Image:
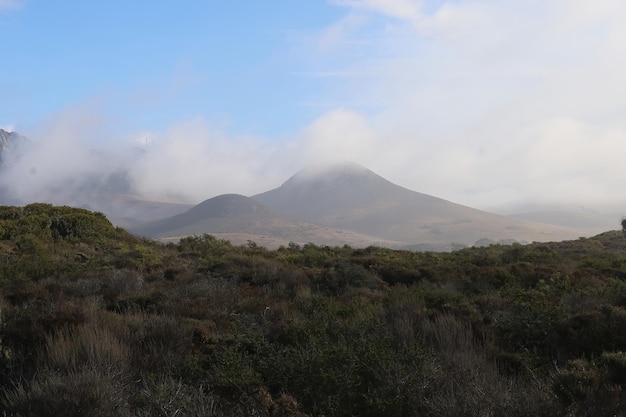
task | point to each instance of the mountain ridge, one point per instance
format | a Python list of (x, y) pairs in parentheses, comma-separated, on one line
[(9, 142), (321, 203), (242, 218), (349, 199), (352, 197)]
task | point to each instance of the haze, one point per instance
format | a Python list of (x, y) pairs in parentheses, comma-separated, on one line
[(494, 105)]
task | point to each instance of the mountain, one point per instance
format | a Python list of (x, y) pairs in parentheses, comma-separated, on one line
[(338, 204), (351, 197), (238, 218), (110, 192), (7, 139), (125, 210), (9, 142)]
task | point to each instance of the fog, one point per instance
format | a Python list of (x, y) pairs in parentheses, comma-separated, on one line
[(494, 105)]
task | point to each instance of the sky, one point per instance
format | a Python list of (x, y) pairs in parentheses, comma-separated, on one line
[(494, 105)]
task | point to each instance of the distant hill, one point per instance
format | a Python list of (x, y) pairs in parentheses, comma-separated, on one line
[(351, 197), (581, 218), (238, 218), (334, 205), (125, 210), (230, 209), (110, 192)]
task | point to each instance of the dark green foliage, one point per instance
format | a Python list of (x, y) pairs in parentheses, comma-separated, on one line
[(94, 321), (47, 221)]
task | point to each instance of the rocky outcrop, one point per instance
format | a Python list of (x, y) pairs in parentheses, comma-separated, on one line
[(9, 141)]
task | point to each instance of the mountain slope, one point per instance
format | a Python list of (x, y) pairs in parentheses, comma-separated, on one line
[(239, 219), (9, 142), (351, 197), (107, 187)]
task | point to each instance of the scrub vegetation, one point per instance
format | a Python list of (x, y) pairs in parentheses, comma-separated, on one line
[(97, 322)]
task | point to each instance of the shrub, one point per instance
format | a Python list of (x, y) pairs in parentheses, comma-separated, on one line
[(78, 393), (87, 346)]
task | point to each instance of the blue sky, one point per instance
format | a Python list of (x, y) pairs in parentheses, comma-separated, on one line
[(490, 104), (152, 64)]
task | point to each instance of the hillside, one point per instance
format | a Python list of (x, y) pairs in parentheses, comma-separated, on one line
[(98, 322), (337, 204), (239, 219), (348, 196)]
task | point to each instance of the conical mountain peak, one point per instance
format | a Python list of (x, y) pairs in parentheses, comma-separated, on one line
[(344, 180), (336, 173), (351, 197), (339, 191)]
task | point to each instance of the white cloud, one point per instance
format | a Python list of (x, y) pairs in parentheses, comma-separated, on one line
[(476, 101), (194, 161), (79, 148), (577, 160), (338, 135), (66, 150), (486, 101)]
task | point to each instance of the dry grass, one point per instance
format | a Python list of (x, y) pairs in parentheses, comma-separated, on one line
[(86, 346), (465, 380)]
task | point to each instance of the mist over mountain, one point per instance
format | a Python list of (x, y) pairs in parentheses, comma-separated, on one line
[(351, 197), (64, 171), (326, 204), (10, 142), (570, 216), (348, 203)]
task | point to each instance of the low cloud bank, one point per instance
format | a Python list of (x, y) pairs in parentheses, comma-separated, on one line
[(488, 104), (558, 160)]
